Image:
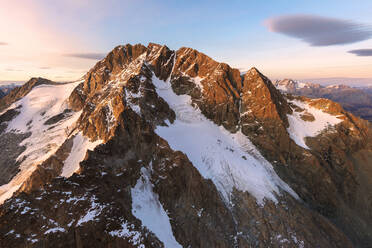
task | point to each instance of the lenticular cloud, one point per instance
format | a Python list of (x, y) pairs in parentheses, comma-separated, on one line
[(362, 52), (319, 31), (94, 56)]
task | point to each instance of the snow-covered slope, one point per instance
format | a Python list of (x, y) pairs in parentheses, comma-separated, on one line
[(229, 160), (147, 208), (38, 106), (79, 148)]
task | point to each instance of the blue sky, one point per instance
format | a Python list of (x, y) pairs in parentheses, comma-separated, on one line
[(38, 35)]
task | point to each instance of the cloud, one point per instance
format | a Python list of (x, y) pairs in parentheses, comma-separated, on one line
[(319, 31), (12, 69), (3, 43), (45, 68), (361, 52), (95, 56)]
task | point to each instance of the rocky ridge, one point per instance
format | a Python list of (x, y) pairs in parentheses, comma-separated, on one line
[(123, 110)]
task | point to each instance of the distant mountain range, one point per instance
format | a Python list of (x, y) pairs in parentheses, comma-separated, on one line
[(353, 99), (5, 88), (5, 83), (352, 82)]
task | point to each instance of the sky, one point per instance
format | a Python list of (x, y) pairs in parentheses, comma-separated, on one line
[(61, 40)]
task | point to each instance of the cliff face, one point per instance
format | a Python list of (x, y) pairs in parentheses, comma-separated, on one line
[(162, 148)]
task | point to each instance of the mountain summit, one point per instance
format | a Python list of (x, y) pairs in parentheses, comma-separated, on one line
[(162, 148)]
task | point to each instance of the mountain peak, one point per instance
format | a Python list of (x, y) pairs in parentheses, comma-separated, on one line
[(253, 71), (155, 147)]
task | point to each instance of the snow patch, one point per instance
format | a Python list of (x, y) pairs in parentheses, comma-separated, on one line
[(110, 117), (301, 85), (54, 230), (78, 151), (197, 81), (94, 211), (131, 98), (282, 87), (124, 232), (299, 129), (229, 160), (147, 208)]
